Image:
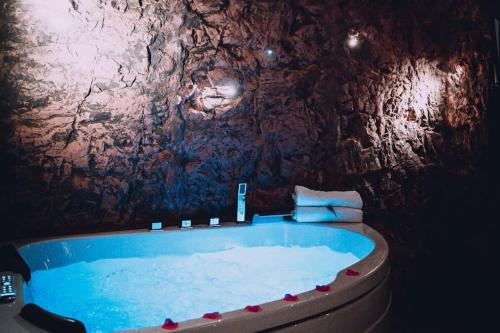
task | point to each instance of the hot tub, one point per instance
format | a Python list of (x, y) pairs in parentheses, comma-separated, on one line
[(335, 275)]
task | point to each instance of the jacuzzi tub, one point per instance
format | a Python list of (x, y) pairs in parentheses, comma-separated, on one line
[(353, 295)]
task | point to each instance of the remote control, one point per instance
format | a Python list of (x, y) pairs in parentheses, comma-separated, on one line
[(7, 288)]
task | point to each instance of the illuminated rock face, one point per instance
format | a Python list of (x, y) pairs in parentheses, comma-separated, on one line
[(118, 111)]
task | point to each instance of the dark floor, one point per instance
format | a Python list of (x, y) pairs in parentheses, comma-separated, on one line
[(443, 270)]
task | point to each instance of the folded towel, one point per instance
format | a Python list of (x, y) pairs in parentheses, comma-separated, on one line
[(306, 197), (327, 214)]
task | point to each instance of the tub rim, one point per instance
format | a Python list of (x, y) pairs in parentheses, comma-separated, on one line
[(343, 289)]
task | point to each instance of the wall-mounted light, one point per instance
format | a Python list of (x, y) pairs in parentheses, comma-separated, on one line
[(353, 40), (269, 54), (229, 90), (222, 95)]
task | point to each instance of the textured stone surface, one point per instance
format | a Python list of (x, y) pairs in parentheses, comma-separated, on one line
[(115, 111)]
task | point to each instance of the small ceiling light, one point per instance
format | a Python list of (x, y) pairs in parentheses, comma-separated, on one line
[(269, 55), (353, 40)]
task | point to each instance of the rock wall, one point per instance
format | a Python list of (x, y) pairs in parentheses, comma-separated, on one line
[(119, 111)]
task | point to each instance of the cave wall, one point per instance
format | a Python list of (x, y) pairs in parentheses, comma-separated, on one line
[(119, 111)]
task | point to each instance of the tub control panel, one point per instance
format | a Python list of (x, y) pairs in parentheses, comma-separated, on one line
[(7, 288)]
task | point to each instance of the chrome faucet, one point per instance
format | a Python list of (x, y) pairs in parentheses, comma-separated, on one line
[(240, 210)]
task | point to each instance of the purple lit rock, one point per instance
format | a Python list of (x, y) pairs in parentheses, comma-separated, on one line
[(114, 112)]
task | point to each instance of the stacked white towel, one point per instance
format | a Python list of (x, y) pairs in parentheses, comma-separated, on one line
[(327, 206), (312, 198)]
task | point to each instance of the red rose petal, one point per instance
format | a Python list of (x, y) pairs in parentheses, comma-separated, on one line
[(253, 308), (290, 298), (323, 288), (212, 315), (350, 272), (170, 325)]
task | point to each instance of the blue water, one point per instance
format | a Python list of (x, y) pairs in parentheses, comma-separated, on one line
[(135, 281)]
